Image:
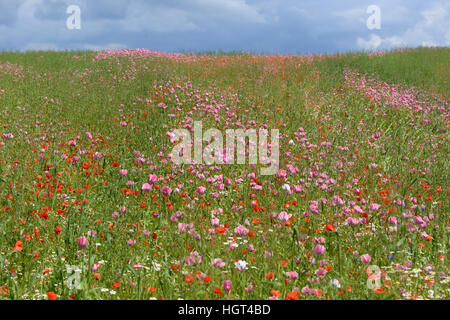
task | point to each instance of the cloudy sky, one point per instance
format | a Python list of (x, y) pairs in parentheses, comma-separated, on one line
[(272, 26)]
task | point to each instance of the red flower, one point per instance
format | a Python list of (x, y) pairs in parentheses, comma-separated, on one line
[(269, 275), (220, 230), (294, 295), (275, 293), (218, 292), (18, 246), (189, 278), (51, 295), (116, 285)]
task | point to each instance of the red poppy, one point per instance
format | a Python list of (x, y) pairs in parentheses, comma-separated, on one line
[(220, 230), (51, 295), (18, 246), (116, 285), (275, 293), (294, 295)]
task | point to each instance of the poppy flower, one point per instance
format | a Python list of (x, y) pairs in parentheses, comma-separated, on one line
[(51, 295), (294, 295), (269, 275), (18, 246), (275, 293)]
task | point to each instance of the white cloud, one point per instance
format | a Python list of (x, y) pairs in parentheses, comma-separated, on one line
[(433, 29), (376, 41)]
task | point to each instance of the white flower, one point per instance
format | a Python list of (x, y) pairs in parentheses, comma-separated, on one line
[(241, 265), (336, 283), (286, 187), (156, 266)]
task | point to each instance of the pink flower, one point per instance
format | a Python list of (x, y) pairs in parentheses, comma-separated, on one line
[(281, 174), (82, 242), (305, 290), (166, 190), (226, 285), (215, 222), (292, 275), (98, 155), (249, 288), (146, 187), (123, 172), (241, 230), (218, 263), (358, 209), (314, 207), (319, 250), (374, 207), (284, 216), (365, 258), (320, 272), (200, 190), (193, 259), (152, 178)]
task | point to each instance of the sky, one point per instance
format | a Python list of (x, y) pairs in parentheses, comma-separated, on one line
[(258, 26)]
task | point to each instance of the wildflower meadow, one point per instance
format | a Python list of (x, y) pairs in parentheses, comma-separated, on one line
[(321, 177)]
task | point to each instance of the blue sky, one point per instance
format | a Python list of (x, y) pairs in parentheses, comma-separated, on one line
[(271, 26)]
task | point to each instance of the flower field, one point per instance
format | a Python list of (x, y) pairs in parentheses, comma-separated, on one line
[(93, 207)]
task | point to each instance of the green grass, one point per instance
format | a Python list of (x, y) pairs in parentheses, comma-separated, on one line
[(424, 68)]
